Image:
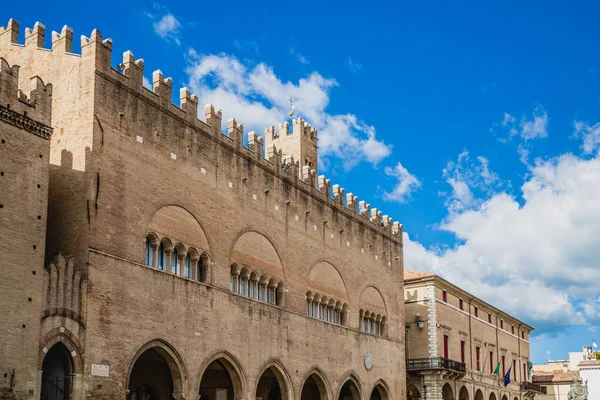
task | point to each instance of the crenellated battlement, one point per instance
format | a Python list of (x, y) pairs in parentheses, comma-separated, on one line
[(33, 101), (291, 149)]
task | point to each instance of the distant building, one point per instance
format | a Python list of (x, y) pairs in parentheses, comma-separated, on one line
[(556, 377), (455, 341), (554, 385)]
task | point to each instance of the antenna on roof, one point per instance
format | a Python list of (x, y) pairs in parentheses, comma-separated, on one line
[(292, 107)]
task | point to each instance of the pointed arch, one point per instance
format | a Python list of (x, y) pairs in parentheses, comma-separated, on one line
[(233, 368), (315, 377), (350, 384), (171, 357), (281, 376), (380, 391)]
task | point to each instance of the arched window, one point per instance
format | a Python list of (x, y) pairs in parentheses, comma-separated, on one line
[(175, 261), (203, 263), (279, 294), (150, 249), (187, 270), (163, 249), (262, 288), (233, 278)]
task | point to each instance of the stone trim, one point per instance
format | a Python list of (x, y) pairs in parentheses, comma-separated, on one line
[(21, 121), (432, 322)]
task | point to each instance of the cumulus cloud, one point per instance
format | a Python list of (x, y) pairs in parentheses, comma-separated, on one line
[(467, 178), (590, 136), (535, 257), (406, 183), (165, 24), (258, 98)]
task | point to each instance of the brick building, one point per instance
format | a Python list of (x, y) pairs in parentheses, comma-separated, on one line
[(24, 150), (180, 263), (455, 341)]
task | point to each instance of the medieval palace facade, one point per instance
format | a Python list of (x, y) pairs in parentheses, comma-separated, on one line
[(151, 256)]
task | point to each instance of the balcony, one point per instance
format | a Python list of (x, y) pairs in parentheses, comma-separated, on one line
[(528, 386), (435, 364)]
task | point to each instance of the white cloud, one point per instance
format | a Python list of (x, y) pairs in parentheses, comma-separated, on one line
[(464, 176), (406, 184), (258, 98), (590, 135), (534, 257), (527, 128), (537, 127), (354, 66), (301, 59), (165, 24), (147, 84)]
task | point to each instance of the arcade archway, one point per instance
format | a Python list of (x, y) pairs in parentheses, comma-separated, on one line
[(57, 371)]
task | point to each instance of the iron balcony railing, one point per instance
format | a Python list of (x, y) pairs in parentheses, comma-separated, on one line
[(435, 363), (531, 386)]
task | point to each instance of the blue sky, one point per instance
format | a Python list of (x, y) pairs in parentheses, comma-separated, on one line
[(472, 123)]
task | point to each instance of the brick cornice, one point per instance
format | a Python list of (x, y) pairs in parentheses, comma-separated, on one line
[(21, 121)]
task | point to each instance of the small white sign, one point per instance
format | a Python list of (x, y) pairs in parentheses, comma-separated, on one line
[(254, 197), (230, 184), (203, 170), (139, 139), (100, 370), (174, 156), (276, 207)]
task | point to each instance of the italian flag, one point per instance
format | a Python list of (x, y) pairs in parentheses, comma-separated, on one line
[(497, 370)]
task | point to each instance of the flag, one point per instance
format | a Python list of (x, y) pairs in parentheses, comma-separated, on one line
[(507, 377), (497, 370)]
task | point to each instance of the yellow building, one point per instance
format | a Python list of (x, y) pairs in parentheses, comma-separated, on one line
[(555, 385), (455, 341)]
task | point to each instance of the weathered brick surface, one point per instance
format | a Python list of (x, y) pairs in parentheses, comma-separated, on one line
[(123, 153), (24, 152)]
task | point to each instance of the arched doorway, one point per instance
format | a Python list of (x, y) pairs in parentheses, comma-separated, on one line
[(492, 396), (505, 397), (349, 391), (412, 393), (151, 377), (314, 388), (463, 394), (220, 381), (478, 395), (379, 393), (447, 393), (271, 385), (57, 371)]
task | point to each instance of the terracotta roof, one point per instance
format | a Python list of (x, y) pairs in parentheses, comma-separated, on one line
[(410, 274), (590, 362), (554, 376)]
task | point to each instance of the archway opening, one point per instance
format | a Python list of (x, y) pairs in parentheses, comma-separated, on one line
[(447, 393), (349, 391), (379, 393), (313, 388), (463, 394), (492, 396), (150, 377), (478, 395), (271, 385), (57, 370), (412, 393), (217, 383), (505, 397)]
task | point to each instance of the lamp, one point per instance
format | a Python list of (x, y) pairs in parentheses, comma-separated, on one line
[(420, 322)]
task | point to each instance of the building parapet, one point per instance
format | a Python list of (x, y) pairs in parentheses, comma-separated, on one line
[(130, 75), (31, 112)]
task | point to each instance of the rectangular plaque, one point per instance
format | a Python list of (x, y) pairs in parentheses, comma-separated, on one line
[(100, 370)]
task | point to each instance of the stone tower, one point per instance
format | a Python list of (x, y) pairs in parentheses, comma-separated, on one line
[(300, 144)]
